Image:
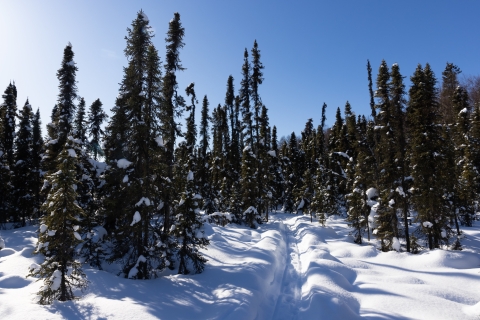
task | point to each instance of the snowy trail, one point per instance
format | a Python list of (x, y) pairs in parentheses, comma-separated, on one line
[(288, 268), (287, 302)]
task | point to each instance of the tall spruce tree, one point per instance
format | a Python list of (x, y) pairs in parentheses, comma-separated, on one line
[(62, 118), (450, 83), (426, 156), (8, 122), (138, 243), (58, 235), (255, 81), (387, 220), (96, 117), (37, 151), (172, 107), (23, 180), (398, 102), (80, 122), (8, 112)]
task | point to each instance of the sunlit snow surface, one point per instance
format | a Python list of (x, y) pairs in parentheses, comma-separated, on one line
[(288, 268)]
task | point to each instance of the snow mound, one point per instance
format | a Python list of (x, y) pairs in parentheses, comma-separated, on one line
[(123, 163)]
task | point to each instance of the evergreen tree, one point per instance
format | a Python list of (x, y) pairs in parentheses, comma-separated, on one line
[(62, 117), (387, 220), (134, 179), (96, 116), (249, 189), (37, 151), (449, 85), (204, 158), (275, 170), (58, 235), (426, 155), (8, 111), (245, 95), (8, 122), (189, 228), (24, 179), (172, 106), (370, 90), (255, 81), (80, 123), (397, 101)]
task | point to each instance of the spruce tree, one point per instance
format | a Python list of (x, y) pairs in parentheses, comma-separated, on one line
[(80, 123), (189, 227), (9, 114), (397, 101), (255, 81), (387, 220), (249, 189), (96, 116), (426, 156), (450, 83), (8, 122), (135, 179), (245, 95), (24, 180), (37, 151), (172, 106), (58, 237), (62, 117)]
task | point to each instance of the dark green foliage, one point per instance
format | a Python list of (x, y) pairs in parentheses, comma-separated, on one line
[(9, 115), (23, 176), (58, 237), (37, 151), (96, 116), (427, 156)]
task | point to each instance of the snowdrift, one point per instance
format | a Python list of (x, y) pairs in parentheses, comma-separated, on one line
[(288, 268)]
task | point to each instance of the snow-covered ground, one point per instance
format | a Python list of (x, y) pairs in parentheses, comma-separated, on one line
[(288, 268)]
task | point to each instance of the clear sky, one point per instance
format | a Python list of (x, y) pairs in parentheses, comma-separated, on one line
[(313, 51)]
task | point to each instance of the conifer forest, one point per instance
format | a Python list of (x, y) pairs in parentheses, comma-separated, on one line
[(138, 187)]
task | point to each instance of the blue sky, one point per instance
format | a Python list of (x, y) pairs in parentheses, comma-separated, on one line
[(313, 51)]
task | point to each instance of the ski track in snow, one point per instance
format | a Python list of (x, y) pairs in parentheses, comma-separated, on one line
[(287, 301)]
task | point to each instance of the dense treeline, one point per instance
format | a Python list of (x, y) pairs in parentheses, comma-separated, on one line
[(412, 162)]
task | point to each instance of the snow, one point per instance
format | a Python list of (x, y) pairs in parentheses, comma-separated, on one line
[(77, 236), (143, 200), (144, 17), (133, 272), (43, 228), (123, 163), (136, 218), (272, 153), (464, 110), (160, 142), (343, 154), (300, 206), (372, 193), (56, 280), (2, 243), (190, 176), (71, 153), (287, 268), (427, 224), (51, 233), (125, 179), (400, 191), (396, 244)]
